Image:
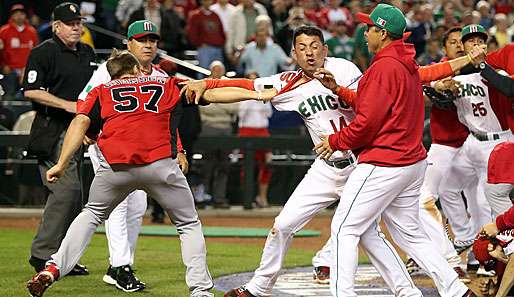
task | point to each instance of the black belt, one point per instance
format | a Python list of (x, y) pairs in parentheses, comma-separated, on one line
[(486, 137), (340, 164)]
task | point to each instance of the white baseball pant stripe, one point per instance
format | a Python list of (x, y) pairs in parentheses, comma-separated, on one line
[(165, 181), (124, 223), (321, 186), (393, 193)]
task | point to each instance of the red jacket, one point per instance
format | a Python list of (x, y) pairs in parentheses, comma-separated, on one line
[(17, 45), (388, 126), (502, 58), (205, 28), (505, 220)]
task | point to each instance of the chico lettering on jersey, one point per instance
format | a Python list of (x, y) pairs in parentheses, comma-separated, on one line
[(315, 104)]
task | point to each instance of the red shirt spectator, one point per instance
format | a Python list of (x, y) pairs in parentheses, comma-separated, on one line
[(17, 38), (205, 28)]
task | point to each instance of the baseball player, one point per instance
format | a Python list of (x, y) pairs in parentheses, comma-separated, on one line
[(448, 134), (124, 223), (323, 113), (137, 116), (485, 112), (387, 129)]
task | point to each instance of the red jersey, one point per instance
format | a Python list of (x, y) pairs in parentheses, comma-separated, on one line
[(136, 115), (17, 44)]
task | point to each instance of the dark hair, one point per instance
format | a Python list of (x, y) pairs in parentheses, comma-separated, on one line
[(446, 34), (121, 63), (309, 31)]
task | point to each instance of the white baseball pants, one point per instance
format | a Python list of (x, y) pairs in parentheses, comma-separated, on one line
[(321, 186), (393, 193)]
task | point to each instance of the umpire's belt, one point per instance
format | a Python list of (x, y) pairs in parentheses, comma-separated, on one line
[(489, 136), (342, 163)]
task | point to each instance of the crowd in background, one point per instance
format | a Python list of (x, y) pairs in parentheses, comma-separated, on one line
[(252, 38)]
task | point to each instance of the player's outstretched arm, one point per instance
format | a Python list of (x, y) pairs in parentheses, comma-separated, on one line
[(231, 95), (72, 142)]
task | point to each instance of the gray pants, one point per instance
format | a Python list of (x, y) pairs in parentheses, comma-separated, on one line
[(64, 203), (164, 181)]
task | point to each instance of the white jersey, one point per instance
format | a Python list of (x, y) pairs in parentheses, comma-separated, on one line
[(101, 76), (473, 105), (322, 111)]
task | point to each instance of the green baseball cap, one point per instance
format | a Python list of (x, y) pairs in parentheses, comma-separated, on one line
[(471, 30), (142, 28), (386, 17)]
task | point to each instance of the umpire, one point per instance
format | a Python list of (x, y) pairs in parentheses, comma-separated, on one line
[(57, 71)]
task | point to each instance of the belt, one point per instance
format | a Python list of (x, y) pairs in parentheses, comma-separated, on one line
[(486, 136), (340, 164)]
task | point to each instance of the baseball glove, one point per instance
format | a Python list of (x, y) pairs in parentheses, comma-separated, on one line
[(442, 100)]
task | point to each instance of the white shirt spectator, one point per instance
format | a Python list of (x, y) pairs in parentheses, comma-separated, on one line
[(254, 114), (223, 13)]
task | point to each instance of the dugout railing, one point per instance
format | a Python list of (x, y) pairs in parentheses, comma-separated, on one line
[(298, 146)]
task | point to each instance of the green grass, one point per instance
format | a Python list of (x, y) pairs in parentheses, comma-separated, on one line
[(158, 264)]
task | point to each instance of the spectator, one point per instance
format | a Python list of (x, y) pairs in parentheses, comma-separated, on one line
[(361, 54), (57, 70), (284, 35), (205, 32), (484, 8), (169, 25), (418, 22), (253, 122), (432, 54), (264, 56), (185, 7), (125, 9), (224, 10), (315, 13), (340, 45), (448, 15), (17, 38), (336, 14), (501, 30), (492, 45), (503, 6), (242, 26), (263, 22), (217, 120), (278, 14)]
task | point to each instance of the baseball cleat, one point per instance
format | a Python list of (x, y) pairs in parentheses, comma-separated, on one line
[(321, 275), (239, 292), (126, 280), (462, 245), (110, 276), (78, 269), (482, 272), (413, 268), (42, 280)]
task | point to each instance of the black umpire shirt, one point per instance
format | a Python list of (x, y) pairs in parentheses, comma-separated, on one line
[(59, 70)]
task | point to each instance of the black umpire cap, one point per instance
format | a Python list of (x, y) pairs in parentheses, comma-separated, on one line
[(66, 12)]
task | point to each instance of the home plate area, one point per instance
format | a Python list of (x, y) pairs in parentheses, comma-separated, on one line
[(299, 282)]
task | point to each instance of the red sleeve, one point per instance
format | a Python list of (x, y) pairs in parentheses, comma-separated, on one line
[(240, 83), (371, 107), (435, 72), (179, 143), (347, 96), (505, 220)]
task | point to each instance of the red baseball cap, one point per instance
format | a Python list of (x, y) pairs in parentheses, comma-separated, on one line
[(480, 250), (17, 7)]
